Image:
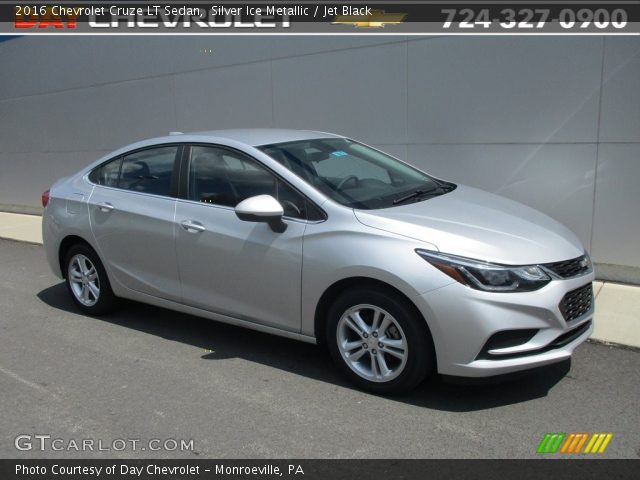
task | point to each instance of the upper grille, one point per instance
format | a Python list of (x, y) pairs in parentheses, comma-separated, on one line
[(570, 268), (577, 302)]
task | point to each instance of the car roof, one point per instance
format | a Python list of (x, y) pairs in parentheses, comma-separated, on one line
[(253, 137), (264, 136)]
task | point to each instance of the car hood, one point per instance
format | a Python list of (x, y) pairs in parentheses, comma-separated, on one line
[(477, 224)]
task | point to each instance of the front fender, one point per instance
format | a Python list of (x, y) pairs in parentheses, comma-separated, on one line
[(332, 255)]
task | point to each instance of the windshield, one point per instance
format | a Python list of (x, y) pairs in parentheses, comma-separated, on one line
[(355, 175)]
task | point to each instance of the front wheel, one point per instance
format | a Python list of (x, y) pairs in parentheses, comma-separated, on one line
[(379, 341), (87, 281)]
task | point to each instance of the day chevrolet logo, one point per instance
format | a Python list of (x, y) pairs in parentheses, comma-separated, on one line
[(377, 19), (574, 443)]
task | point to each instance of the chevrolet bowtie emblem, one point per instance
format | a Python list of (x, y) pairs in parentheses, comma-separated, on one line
[(377, 19)]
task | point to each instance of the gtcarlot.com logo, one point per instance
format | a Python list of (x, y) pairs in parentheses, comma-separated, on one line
[(44, 442), (575, 443)]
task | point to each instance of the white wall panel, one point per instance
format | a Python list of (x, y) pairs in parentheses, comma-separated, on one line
[(23, 128), (238, 96), (284, 47), (41, 65), (620, 120), (504, 89), (616, 229), (360, 93), (26, 175), (88, 118), (32, 66), (173, 54)]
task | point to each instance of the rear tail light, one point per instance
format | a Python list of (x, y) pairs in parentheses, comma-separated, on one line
[(45, 198)]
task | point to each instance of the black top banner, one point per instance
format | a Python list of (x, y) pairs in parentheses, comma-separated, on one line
[(392, 17)]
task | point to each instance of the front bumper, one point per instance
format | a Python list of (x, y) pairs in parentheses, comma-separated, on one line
[(462, 320)]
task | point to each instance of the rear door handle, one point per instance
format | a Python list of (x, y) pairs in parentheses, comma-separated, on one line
[(105, 206), (192, 226)]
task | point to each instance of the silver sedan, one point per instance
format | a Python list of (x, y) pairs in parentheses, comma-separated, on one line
[(321, 238)]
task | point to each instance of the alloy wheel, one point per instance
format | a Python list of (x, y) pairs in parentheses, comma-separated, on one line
[(84, 280), (372, 343)]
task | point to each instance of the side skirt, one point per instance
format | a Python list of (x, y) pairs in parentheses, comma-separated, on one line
[(179, 307)]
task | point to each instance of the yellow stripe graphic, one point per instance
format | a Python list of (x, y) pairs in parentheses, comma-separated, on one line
[(590, 444), (596, 445), (607, 439)]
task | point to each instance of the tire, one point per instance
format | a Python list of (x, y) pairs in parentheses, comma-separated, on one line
[(87, 281), (405, 345)]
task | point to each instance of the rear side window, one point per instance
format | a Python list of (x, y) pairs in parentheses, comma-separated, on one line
[(147, 171), (107, 174)]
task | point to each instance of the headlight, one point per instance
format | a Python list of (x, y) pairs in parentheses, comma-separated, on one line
[(487, 276)]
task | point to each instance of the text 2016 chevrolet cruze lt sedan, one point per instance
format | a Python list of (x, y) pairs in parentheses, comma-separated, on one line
[(320, 238)]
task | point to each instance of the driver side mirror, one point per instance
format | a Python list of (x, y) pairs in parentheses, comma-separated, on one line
[(262, 208)]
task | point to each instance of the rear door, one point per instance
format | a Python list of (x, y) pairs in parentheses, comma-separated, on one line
[(132, 211)]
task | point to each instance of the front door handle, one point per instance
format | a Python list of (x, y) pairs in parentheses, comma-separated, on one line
[(192, 226), (105, 207)]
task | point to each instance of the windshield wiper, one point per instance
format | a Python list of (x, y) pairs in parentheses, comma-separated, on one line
[(416, 193)]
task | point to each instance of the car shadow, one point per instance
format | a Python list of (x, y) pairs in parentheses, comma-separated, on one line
[(224, 341)]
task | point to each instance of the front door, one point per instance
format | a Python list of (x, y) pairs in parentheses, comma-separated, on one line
[(233, 267)]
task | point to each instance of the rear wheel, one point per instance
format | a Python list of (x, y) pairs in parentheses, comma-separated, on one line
[(87, 281), (379, 341)]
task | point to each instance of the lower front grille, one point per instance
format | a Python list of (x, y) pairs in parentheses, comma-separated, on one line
[(570, 336), (559, 342), (505, 339), (576, 303)]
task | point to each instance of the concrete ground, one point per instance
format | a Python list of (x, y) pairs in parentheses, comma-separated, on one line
[(617, 307), (147, 373)]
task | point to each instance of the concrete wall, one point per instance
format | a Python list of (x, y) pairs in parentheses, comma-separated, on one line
[(551, 122)]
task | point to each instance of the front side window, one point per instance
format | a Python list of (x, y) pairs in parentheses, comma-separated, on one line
[(224, 177), (354, 174)]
